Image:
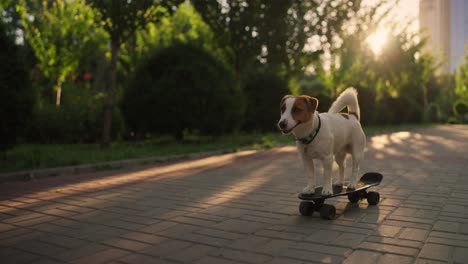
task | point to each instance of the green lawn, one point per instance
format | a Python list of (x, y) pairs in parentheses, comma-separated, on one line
[(37, 156)]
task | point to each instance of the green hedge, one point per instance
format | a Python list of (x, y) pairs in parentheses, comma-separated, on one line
[(182, 88), (264, 91)]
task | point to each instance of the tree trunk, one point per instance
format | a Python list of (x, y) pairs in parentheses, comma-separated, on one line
[(109, 100), (58, 92)]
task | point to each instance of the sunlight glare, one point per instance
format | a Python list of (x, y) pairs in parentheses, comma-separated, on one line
[(377, 40)]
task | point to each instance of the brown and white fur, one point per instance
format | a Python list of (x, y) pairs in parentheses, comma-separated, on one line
[(339, 134)]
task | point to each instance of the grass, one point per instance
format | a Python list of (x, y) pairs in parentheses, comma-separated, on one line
[(38, 156)]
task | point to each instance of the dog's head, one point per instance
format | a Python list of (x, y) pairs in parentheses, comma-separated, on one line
[(296, 110)]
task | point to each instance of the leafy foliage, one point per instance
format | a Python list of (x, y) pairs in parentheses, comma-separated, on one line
[(60, 32), (286, 34), (263, 92), (182, 87), (16, 95), (185, 25), (121, 19)]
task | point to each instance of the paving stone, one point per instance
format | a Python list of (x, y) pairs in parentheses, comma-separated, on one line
[(348, 240), (206, 240), (408, 224), (44, 260), (460, 255), (386, 248), (220, 233), (428, 261), (141, 259), (249, 242), (414, 234), (241, 226), (310, 256), (324, 236), (165, 248), (326, 249), (274, 247), (446, 226), (20, 257), (392, 259), (214, 260), (40, 248), (193, 253), (435, 252), (397, 242), (81, 252), (281, 235), (241, 256), (388, 231), (102, 256), (448, 242), (125, 244), (362, 257), (142, 237)]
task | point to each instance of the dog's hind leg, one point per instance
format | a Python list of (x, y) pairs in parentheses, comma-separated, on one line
[(340, 158), (357, 157)]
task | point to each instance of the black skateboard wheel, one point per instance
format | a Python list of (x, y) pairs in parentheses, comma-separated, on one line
[(353, 197), (306, 208), (373, 198), (328, 212)]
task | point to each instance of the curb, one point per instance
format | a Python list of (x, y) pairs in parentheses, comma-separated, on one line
[(28, 175)]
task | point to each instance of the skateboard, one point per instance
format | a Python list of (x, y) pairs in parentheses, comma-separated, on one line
[(315, 201)]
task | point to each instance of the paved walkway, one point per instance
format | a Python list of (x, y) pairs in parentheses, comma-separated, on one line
[(242, 208)]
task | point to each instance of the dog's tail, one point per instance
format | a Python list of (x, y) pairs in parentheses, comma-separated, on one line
[(348, 99)]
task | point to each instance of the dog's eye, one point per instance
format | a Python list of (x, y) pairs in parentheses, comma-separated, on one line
[(283, 108), (296, 109)]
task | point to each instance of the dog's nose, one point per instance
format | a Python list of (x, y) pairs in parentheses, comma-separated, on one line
[(282, 124)]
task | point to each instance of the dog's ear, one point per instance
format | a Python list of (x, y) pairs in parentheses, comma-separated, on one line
[(312, 102)]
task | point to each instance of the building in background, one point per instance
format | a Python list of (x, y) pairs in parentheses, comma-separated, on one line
[(445, 22)]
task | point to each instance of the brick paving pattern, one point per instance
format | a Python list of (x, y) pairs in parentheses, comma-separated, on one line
[(242, 208)]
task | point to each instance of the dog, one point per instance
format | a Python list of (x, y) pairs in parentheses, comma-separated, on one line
[(325, 136)]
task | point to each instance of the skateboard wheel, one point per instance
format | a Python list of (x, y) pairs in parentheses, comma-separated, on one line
[(306, 208), (373, 198), (353, 197), (328, 212)]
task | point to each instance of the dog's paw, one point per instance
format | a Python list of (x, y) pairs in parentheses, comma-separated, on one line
[(338, 184), (308, 189), (327, 191), (351, 186)]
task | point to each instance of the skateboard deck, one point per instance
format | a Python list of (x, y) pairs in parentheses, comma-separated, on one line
[(315, 201), (366, 181)]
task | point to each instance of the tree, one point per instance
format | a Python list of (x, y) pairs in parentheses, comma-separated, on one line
[(461, 79), (16, 94), (59, 32), (121, 19), (185, 25), (285, 34)]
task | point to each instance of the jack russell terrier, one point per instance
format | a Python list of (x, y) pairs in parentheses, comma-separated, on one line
[(325, 136)]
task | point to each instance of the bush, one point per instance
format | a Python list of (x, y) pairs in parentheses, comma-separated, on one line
[(79, 119), (264, 91), (460, 109), (182, 88), (314, 87), (16, 95)]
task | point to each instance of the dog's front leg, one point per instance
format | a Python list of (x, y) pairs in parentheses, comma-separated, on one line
[(327, 179), (310, 170)]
